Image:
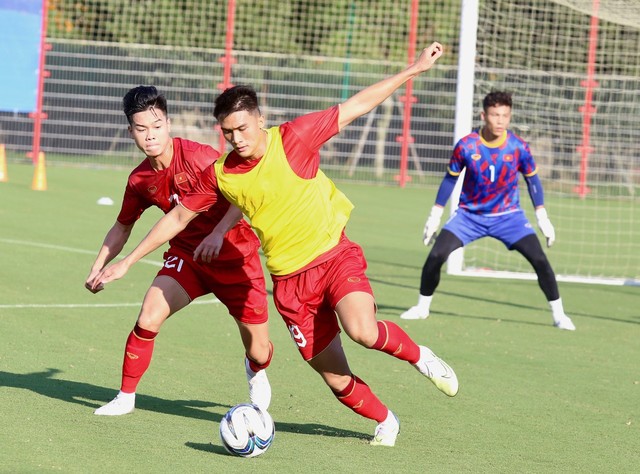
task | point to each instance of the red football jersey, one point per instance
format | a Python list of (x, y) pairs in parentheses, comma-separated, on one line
[(147, 187), (302, 139)]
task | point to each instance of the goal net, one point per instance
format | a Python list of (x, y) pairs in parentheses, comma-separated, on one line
[(575, 82), (300, 55)]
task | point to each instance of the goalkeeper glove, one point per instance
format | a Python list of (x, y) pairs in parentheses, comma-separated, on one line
[(545, 226), (432, 224)]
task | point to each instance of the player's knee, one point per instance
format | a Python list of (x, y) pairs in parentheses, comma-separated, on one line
[(151, 320), (364, 336), (541, 263), (435, 261)]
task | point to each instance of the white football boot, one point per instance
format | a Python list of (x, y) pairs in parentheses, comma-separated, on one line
[(565, 323), (121, 405), (259, 387), (438, 371), (415, 312), (387, 431)]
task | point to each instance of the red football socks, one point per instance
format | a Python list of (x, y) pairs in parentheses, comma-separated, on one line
[(394, 341), (358, 396), (137, 357)]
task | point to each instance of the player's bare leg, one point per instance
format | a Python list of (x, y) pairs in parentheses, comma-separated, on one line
[(352, 392), (163, 298), (259, 351), (357, 315)]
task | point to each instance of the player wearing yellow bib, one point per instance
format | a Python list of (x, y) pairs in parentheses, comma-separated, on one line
[(319, 278)]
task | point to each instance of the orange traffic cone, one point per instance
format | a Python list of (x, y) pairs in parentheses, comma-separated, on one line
[(4, 177), (39, 176)]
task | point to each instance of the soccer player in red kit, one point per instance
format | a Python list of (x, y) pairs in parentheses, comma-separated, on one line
[(319, 278), (216, 253)]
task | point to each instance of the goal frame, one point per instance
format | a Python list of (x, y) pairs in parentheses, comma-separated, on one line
[(463, 126)]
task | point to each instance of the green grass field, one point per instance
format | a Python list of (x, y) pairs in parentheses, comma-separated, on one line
[(532, 398)]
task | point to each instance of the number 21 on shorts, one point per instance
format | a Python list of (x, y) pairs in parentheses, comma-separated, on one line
[(173, 262)]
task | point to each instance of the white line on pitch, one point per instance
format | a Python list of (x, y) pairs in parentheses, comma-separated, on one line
[(68, 249), (98, 305)]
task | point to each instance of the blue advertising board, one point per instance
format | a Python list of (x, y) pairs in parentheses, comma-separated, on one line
[(20, 25)]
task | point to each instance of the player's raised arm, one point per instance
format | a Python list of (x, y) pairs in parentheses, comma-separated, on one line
[(372, 96), (170, 225)]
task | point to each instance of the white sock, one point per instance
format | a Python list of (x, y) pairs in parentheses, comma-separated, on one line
[(557, 309), (424, 302), (127, 396)]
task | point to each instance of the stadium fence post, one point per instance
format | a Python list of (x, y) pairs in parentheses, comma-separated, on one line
[(4, 177), (40, 175)]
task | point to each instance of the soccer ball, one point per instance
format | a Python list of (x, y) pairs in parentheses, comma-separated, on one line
[(246, 430)]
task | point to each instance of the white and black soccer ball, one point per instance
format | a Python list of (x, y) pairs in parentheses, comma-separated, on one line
[(246, 430)]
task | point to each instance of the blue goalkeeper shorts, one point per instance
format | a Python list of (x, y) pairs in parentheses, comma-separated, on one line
[(507, 228)]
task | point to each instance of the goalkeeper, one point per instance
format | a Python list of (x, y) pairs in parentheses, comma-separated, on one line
[(490, 206)]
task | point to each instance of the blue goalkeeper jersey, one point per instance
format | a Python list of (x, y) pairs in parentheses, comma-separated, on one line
[(490, 183)]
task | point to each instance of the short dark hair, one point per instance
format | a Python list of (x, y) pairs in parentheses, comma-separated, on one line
[(143, 98), (496, 98), (235, 99)]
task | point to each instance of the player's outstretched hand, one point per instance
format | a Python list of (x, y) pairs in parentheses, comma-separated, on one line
[(545, 226), (89, 282), (429, 56), (432, 224), (109, 274), (209, 248)]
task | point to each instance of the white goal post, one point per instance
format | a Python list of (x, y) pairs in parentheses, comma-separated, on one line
[(574, 82)]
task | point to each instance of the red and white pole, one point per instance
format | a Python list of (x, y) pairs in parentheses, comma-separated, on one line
[(227, 60), (408, 99), (588, 109), (38, 115)]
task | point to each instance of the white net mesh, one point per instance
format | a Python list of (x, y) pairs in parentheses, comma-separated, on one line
[(540, 52), (620, 12), (301, 55), (304, 55)]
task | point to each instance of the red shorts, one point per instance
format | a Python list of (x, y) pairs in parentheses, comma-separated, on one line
[(238, 284), (307, 300)]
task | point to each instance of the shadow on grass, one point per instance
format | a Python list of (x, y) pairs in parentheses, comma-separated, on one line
[(397, 310), (312, 429), (81, 393), (85, 394), (390, 310)]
